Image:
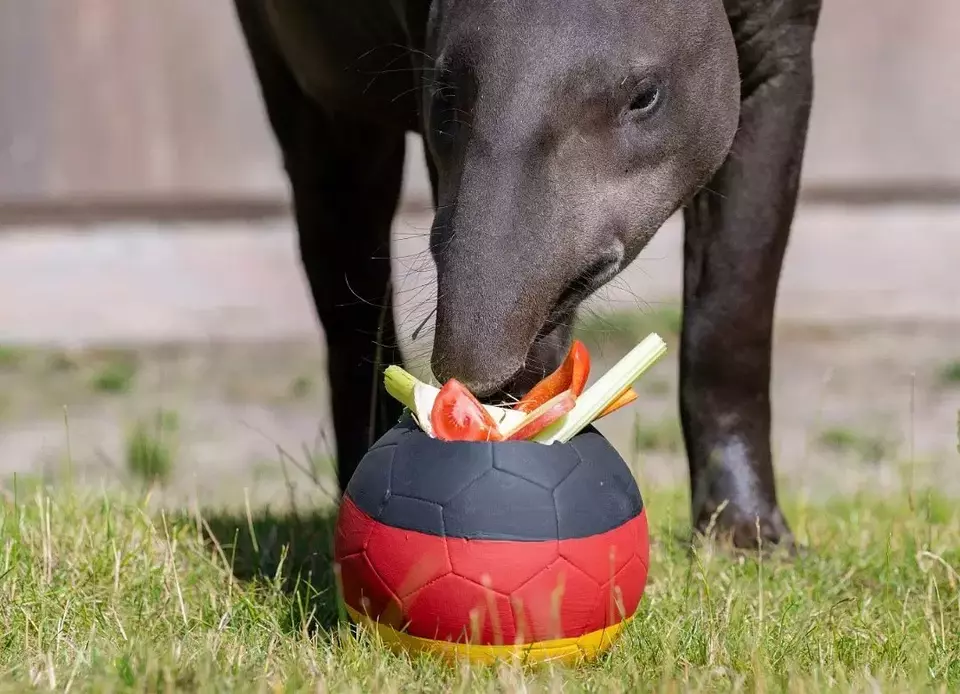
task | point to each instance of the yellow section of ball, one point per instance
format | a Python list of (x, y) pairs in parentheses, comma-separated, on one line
[(562, 651)]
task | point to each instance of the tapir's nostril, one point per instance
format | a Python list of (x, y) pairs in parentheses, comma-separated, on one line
[(591, 278)]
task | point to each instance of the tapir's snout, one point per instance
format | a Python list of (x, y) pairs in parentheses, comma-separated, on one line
[(501, 346), (504, 286), (512, 267), (479, 370), (482, 334)]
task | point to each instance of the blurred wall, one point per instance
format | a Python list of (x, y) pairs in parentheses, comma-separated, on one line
[(116, 96), (148, 97)]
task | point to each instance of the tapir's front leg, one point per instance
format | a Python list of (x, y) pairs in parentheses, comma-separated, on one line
[(736, 234)]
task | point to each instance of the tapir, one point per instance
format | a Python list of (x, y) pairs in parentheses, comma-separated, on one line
[(559, 136)]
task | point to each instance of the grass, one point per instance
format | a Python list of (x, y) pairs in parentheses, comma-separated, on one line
[(301, 387), (104, 593), (949, 374), (624, 328), (150, 448), (867, 447), (116, 376), (10, 357), (664, 435)]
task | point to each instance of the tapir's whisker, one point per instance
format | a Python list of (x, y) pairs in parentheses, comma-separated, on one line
[(356, 294), (395, 70), (416, 332)]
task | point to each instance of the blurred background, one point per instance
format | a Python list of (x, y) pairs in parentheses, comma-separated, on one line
[(156, 101), (155, 327)]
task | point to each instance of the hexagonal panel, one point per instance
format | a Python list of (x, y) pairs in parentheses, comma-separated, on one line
[(621, 596), (442, 610), (414, 514), (559, 602), (442, 478), (600, 453), (502, 506), (405, 560), (371, 481), (352, 531), (602, 556), (395, 434), (546, 467), (366, 592), (593, 499), (642, 527), (508, 565)]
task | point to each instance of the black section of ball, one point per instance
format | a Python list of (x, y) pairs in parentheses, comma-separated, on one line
[(515, 490)]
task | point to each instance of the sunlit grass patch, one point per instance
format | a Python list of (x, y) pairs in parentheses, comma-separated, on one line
[(102, 593)]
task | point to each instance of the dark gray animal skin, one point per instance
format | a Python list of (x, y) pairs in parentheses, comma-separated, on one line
[(560, 135)]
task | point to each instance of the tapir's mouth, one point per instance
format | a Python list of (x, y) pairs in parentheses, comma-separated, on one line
[(543, 356), (516, 388), (549, 346), (550, 340)]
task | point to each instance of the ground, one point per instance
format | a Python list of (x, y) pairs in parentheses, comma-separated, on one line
[(211, 324), (188, 367), (100, 593)]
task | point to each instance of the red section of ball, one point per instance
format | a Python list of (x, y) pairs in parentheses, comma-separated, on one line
[(405, 560), (557, 603), (366, 592), (500, 565), (454, 608), (490, 591), (602, 560), (353, 529), (643, 542), (620, 596)]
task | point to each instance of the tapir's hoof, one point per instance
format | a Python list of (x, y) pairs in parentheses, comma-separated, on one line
[(767, 532)]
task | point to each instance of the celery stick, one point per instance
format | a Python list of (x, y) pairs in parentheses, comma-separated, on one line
[(605, 391), (401, 384)]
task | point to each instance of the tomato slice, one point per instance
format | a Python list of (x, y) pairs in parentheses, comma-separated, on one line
[(625, 399), (571, 375), (542, 417), (457, 415)]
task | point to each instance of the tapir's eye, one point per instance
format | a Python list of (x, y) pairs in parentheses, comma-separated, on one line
[(646, 100)]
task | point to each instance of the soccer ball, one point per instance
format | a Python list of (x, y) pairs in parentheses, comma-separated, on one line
[(486, 551)]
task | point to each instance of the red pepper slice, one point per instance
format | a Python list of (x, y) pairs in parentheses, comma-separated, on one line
[(542, 417), (457, 415), (571, 375)]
